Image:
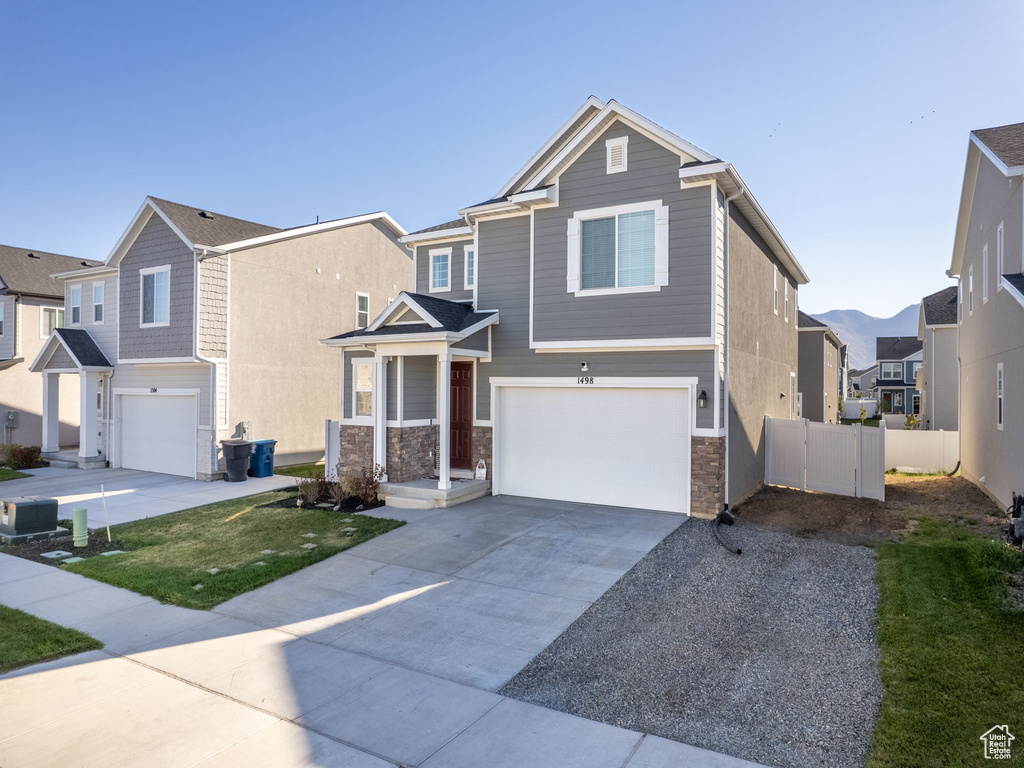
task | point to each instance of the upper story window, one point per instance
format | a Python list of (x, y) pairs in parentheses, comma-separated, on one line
[(470, 267), (362, 389), (76, 304), (892, 371), (50, 318), (98, 289), (999, 396), (914, 368), (362, 310), (155, 291), (440, 270), (617, 154), (785, 287), (775, 289), (621, 249), (1, 319), (999, 257), (970, 290), (984, 274)]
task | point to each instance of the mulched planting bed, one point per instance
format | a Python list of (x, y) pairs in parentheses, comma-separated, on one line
[(34, 550)]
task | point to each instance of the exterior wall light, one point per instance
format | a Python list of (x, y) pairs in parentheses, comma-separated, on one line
[(702, 399)]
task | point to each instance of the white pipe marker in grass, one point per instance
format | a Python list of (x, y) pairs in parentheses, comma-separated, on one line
[(106, 516)]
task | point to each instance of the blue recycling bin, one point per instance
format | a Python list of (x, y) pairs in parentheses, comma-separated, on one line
[(261, 461)]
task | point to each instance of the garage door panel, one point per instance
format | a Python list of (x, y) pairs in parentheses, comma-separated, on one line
[(611, 446), (158, 433)]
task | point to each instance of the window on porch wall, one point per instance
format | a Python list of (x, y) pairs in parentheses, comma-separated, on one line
[(362, 376)]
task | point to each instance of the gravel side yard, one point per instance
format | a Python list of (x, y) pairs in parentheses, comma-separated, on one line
[(771, 656)]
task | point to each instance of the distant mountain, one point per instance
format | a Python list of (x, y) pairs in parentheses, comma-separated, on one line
[(859, 331)]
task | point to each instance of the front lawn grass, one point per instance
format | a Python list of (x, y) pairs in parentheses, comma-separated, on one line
[(867, 422), (951, 646), (11, 474), (25, 639), (301, 470), (170, 556)]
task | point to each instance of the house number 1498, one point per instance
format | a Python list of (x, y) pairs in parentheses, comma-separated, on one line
[(585, 380)]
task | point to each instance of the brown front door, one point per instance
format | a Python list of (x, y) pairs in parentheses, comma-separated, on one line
[(461, 445)]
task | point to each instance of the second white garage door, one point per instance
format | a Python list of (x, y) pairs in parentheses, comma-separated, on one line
[(626, 447), (158, 433)]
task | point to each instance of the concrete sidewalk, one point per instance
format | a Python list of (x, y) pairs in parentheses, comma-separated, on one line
[(176, 687), (131, 494)]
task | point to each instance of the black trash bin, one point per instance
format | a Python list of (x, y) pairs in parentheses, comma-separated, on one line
[(236, 456)]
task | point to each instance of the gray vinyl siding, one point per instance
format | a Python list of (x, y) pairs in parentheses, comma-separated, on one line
[(409, 316), (346, 380), (456, 265), (155, 246), (60, 359), (505, 243), (478, 341), (392, 389), (170, 376), (105, 333), (682, 308), (213, 307), (420, 387), (811, 374), (8, 343)]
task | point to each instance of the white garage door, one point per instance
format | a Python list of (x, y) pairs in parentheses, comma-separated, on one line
[(158, 433), (615, 446)]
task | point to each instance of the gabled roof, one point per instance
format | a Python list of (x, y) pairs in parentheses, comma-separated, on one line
[(897, 347), (204, 227), (940, 307), (25, 271), (453, 224), (449, 230), (442, 317), (1006, 142), (806, 321), (79, 343)]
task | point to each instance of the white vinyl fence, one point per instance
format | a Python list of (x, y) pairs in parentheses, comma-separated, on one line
[(922, 450), (332, 448), (848, 460), (851, 408)]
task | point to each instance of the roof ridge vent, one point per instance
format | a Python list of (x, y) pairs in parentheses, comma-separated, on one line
[(205, 215)]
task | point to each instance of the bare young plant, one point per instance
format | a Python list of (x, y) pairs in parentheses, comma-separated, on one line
[(337, 493), (310, 490)]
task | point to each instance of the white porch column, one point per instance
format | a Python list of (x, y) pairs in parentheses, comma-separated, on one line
[(88, 437), (444, 420), (51, 412), (380, 412)]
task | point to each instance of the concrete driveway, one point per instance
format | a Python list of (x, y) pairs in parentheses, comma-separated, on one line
[(131, 494), (387, 654)]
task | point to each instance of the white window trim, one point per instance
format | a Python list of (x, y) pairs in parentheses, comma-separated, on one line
[(466, 250), (153, 271), (357, 419), (432, 254), (608, 146), (575, 249), (3, 321), (999, 257), (367, 296), (897, 394), (970, 291), (72, 306), (1000, 397), (785, 284), (42, 319), (775, 290), (891, 366), (984, 274), (99, 284)]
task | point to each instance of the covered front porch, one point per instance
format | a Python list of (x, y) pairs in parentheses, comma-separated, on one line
[(73, 352), (409, 401)]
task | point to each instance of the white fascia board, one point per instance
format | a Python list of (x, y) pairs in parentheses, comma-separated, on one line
[(500, 206), (373, 341), (703, 170), (465, 333), (455, 233), (404, 299), (963, 218), (46, 350), (128, 238), (591, 103), (547, 194), (1010, 289), (84, 272), (312, 229), (1017, 170)]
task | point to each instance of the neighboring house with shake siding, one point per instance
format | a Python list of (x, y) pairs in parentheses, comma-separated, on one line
[(200, 327), (612, 327)]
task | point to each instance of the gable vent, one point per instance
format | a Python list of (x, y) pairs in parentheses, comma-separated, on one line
[(616, 154)]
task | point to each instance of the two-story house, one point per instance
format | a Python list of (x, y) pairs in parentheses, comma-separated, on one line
[(938, 377), (820, 370), (987, 261), (612, 326), (899, 359), (200, 327), (31, 306), (862, 381)]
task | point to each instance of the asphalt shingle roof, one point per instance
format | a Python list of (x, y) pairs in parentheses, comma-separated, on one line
[(1006, 142), (1016, 280), (453, 224), (26, 271), (204, 227), (83, 347), (806, 321), (940, 307), (896, 347), (454, 316)]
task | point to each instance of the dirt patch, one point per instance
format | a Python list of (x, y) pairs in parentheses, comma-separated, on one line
[(34, 550), (850, 520)]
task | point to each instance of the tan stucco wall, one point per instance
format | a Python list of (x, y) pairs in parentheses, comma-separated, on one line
[(762, 354), (22, 390), (280, 376)]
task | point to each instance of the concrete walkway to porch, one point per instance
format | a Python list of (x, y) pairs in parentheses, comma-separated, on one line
[(131, 494)]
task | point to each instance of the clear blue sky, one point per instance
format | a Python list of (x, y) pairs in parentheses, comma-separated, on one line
[(848, 121)]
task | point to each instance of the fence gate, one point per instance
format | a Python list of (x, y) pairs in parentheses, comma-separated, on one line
[(848, 460)]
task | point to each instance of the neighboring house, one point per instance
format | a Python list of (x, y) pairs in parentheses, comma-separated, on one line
[(863, 381), (844, 370), (586, 328), (819, 370), (899, 359), (938, 379), (987, 253), (31, 306), (200, 325)]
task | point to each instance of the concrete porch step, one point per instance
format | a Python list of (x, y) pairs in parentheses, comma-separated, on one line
[(69, 459), (404, 502), (424, 494)]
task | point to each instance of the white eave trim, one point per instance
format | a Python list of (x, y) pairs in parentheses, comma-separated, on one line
[(403, 300), (84, 271), (1017, 170), (312, 229), (449, 337), (455, 233), (1012, 290), (126, 240)]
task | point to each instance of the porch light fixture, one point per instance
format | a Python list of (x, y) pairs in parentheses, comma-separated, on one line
[(702, 399), (584, 367)]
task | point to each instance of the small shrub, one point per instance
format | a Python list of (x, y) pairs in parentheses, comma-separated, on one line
[(912, 422), (366, 484), (310, 489), (336, 492), (863, 415), (19, 456)]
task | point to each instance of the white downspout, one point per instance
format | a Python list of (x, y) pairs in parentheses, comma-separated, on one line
[(742, 190)]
